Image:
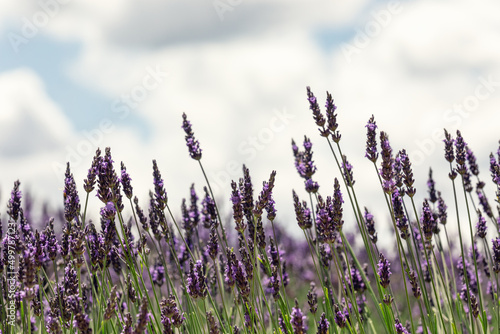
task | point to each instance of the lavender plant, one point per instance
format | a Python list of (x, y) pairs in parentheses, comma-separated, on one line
[(192, 270)]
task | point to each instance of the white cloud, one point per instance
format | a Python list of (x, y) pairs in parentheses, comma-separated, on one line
[(32, 130), (29, 120)]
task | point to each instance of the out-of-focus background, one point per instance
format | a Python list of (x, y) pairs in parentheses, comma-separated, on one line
[(77, 75)]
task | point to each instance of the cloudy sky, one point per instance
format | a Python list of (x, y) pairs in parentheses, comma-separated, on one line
[(77, 75)]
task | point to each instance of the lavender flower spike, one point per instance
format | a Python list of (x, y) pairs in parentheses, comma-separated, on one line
[(337, 206), (196, 282), (298, 320), (89, 182), (461, 153), (448, 147), (371, 140), (125, 180), (496, 254), (347, 169), (332, 118), (427, 223), (160, 193), (387, 172), (14, 205), (432, 190), (192, 144), (481, 225), (384, 271), (302, 212), (317, 115), (323, 324), (408, 173), (400, 329), (71, 199), (370, 226), (237, 200)]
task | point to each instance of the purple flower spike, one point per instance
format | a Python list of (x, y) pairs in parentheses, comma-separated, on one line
[(387, 172), (246, 191), (341, 316), (427, 220), (303, 159), (107, 183), (400, 329), (231, 268), (208, 211), (407, 173), (496, 254), (317, 115), (371, 140), (431, 188), (125, 180), (337, 206), (14, 205), (442, 215), (298, 320), (194, 214), (323, 324), (347, 169), (158, 274), (399, 215), (108, 212), (265, 199), (414, 284), (71, 199), (89, 182), (324, 224), (370, 226), (384, 271), (448, 147), (398, 173), (312, 299), (481, 225), (471, 159), (142, 317), (332, 118), (160, 193), (213, 244), (302, 212), (484, 202), (461, 153), (192, 144), (196, 282), (311, 186)]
